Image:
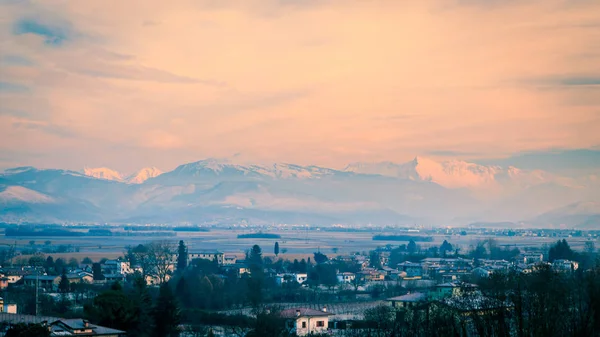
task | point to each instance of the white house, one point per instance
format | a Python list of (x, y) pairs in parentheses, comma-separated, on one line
[(532, 258), (117, 267), (301, 278), (346, 277), (289, 277), (211, 255), (229, 259), (565, 265), (8, 308), (305, 321)]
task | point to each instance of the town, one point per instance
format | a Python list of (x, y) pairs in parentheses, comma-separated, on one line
[(165, 288)]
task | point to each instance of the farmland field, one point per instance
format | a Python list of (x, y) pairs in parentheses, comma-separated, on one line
[(293, 243)]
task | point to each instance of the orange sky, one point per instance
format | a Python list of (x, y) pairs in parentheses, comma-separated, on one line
[(127, 84)]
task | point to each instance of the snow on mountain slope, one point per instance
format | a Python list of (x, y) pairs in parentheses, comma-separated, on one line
[(286, 171), (454, 173), (103, 173), (22, 194), (373, 192), (216, 169), (143, 175)]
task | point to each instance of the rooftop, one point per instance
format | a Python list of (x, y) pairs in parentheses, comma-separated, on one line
[(303, 312), (76, 323), (413, 297), (204, 251)]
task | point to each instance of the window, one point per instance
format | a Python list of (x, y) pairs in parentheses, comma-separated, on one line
[(303, 325), (320, 324)]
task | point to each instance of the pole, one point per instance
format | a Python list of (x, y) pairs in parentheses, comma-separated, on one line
[(37, 285)]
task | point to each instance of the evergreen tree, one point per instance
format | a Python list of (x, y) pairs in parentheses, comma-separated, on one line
[(320, 258), (27, 330), (49, 262), (73, 263), (97, 272), (166, 313), (64, 285), (59, 265), (142, 323), (445, 248), (412, 247), (49, 265), (303, 266), (255, 255), (113, 309), (276, 249), (561, 251), (375, 260), (206, 289), (182, 256)]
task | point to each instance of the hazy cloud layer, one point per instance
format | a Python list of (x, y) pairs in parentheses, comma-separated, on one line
[(140, 83)]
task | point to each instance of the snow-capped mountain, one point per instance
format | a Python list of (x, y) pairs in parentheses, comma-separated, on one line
[(453, 173), (103, 173), (143, 175), (112, 175), (219, 169), (422, 190)]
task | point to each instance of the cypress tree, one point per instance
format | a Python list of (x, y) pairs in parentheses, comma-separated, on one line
[(64, 284), (182, 256)]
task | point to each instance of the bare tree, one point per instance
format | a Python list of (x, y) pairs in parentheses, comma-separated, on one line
[(162, 256), (139, 256)]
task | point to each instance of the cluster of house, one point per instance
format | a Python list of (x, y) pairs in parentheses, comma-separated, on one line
[(464, 298), (112, 270), (447, 269), (442, 269)]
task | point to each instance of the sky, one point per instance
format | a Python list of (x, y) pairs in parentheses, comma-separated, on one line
[(130, 84)]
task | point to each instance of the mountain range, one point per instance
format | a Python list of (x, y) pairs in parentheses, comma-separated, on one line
[(421, 191)]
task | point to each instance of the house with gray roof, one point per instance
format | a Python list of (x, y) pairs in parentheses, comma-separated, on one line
[(60, 326)]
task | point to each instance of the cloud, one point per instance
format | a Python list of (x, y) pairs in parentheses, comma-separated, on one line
[(563, 81), (150, 23), (15, 60), (553, 160), (136, 73), (14, 112), (308, 82), (13, 87), (580, 81), (453, 153), (54, 35), (44, 127)]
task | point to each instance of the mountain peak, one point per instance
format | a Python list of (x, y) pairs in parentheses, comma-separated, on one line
[(143, 175), (103, 173), (451, 173)]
